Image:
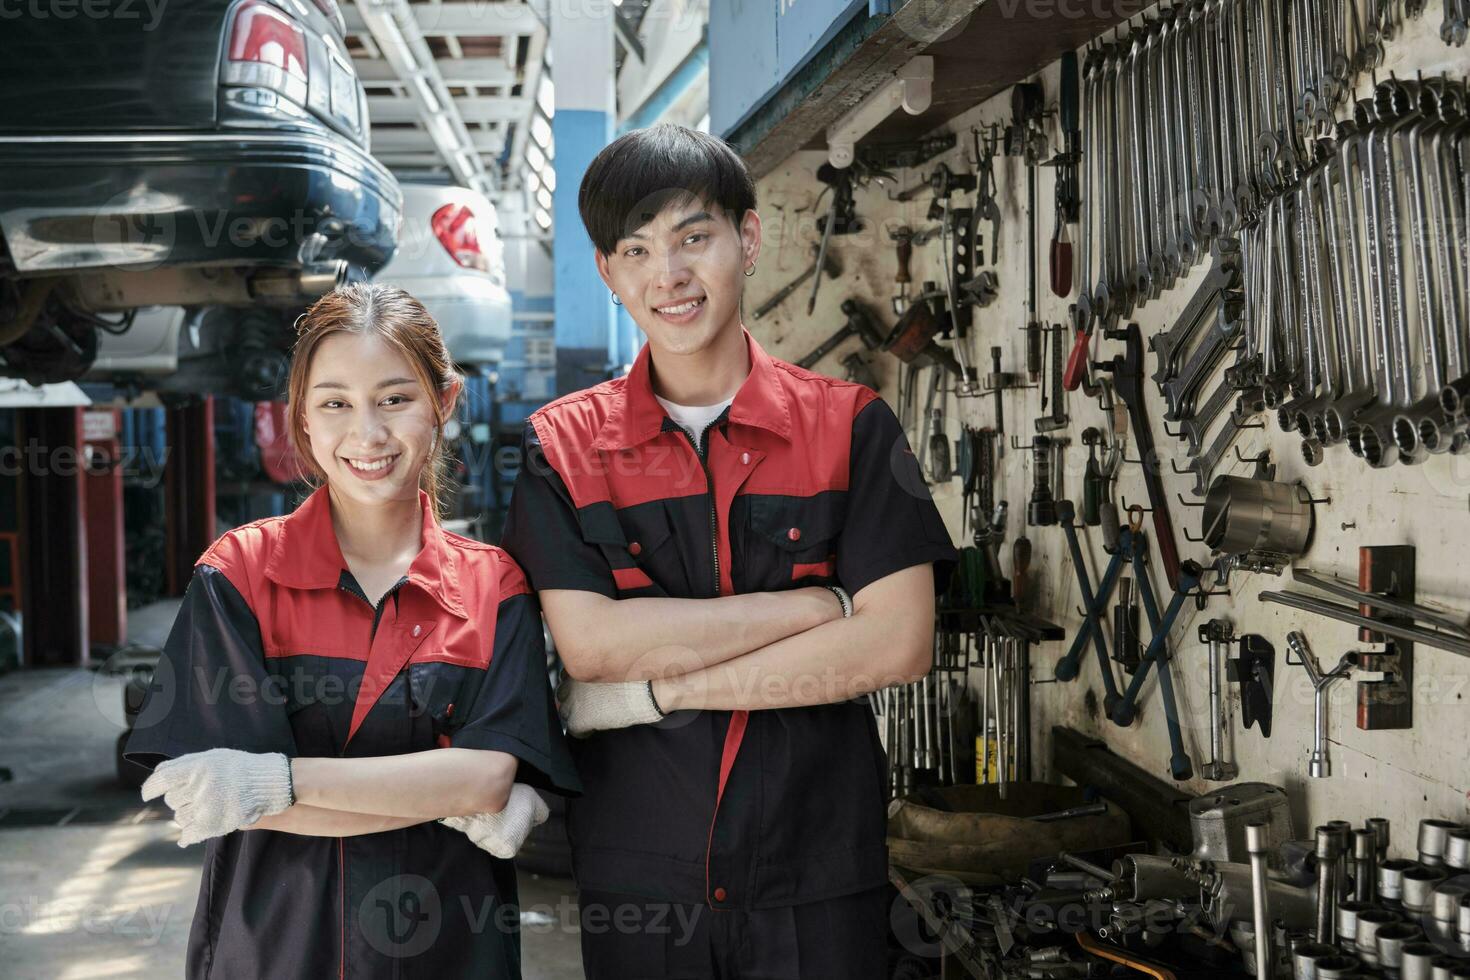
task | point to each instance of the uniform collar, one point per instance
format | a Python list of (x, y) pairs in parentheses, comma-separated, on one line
[(307, 556), (636, 416)]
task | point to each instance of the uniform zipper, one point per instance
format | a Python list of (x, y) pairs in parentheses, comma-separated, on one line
[(352, 588), (709, 482)]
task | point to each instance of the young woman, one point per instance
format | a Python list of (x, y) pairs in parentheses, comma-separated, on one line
[(341, 678)]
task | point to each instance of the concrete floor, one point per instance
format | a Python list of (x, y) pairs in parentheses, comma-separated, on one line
[(92, 882)]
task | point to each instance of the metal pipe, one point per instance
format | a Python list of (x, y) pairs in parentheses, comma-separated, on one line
[(1350, 615), (1327, 853), (1365, 847), (1256, 844)]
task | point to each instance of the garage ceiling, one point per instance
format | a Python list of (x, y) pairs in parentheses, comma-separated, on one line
[(461, 90)]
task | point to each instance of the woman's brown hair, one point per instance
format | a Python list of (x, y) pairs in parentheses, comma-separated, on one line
[(400, 321)]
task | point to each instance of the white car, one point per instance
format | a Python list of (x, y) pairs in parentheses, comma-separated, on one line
[(451, 259)]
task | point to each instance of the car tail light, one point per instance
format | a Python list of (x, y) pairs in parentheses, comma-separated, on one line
[(454, 226), (263, 36)]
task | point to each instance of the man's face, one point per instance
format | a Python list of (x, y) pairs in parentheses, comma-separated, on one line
[(680, 276)]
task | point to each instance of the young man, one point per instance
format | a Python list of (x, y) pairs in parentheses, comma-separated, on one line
[(731, 552)]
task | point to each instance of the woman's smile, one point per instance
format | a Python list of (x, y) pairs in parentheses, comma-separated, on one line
[(371, 467)]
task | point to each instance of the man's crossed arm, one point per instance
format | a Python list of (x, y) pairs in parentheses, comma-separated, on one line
[(746, 652)]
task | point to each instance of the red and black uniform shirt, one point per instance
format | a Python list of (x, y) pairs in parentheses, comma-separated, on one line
[(277, 649), (804, 480)]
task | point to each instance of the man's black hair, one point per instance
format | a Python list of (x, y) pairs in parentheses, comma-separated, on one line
[(640, 173)]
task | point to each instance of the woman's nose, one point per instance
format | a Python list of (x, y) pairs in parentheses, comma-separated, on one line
[(370, 428)]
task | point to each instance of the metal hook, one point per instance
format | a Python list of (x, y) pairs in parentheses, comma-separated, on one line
[(1017, 445), (1188, 503), (1263, 455), (1309, 499), (1190, 537), (1178, 472), (1172, 433), (1202, 598), (1127, 508)]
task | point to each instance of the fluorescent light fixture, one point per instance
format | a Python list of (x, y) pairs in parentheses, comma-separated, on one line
[(427, 91), (393, 37)]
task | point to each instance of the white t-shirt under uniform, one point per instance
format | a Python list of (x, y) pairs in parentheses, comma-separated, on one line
[(694, 418)]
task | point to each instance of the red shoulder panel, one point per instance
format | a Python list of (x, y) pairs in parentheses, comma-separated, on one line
[(567, 428), (241, 554)]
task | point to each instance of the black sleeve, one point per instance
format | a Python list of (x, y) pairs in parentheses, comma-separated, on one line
[(210, 688), (513, 710), (892, 522), (542, 532)]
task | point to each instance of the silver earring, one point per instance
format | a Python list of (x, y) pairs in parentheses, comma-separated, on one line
[(750, 272), (616, 301)]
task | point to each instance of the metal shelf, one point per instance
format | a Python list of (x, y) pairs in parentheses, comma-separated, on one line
[(993, 45)]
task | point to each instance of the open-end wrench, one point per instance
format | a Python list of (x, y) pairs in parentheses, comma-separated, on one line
[(1362, 384), (1196, 428), (1133, 92), (1181, 392), (1223, 277), (1371, 433), (1203, 466)]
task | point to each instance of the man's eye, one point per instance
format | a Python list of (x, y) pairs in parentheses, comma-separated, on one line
[(630, 253), (697, 236)]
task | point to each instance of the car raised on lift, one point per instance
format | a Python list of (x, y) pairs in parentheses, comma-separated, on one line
[(215, 155)]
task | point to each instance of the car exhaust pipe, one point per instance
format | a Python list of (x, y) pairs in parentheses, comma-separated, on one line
[(288, 286)]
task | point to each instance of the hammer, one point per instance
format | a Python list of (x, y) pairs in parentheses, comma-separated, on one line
[(831, 265), (859, 323)]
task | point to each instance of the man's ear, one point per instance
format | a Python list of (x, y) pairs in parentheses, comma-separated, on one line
[(750, 238), (602, 269)]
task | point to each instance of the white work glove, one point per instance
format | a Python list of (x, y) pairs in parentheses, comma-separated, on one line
[(218, 791), (590, 707), (503, 833)]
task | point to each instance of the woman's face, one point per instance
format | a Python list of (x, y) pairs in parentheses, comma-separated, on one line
[(370, 421)]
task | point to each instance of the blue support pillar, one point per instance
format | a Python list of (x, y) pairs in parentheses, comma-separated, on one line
[(586, 331)]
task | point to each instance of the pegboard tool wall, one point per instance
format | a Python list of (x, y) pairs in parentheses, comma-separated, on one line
[(1402, 775)]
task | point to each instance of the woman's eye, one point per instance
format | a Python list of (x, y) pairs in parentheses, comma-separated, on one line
[(334, 403), (395, 400), (697, 236)]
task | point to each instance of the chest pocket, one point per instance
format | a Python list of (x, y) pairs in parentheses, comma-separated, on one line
[(792, 541), (310, 707), (438, 702), (636, 543)]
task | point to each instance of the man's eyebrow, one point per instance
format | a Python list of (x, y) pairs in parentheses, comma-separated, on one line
[(381, 384), (686, 222)]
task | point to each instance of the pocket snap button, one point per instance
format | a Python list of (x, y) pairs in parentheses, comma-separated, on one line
[(635, 548), (745, 458), (794, 534), (417, 630)]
